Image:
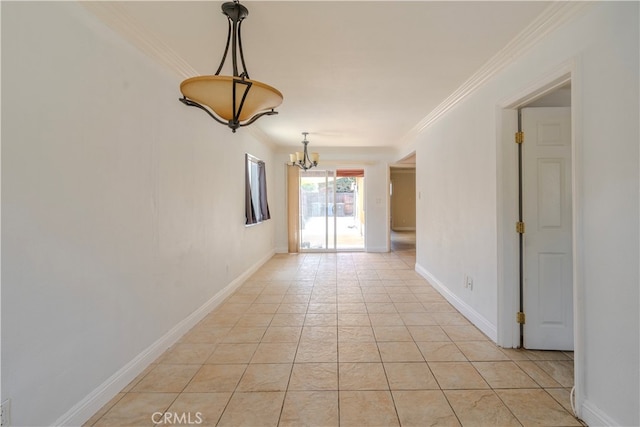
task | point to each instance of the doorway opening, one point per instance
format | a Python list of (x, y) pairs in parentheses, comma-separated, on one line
[(538, 286), (402, 207), (331, 210)]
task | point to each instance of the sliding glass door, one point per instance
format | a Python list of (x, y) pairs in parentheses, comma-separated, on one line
[(331, 211), (317, 222)]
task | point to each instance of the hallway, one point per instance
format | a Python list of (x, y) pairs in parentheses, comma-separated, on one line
[(346, 339)]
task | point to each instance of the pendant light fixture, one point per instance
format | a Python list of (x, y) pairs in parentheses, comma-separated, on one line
[(235, 100), (302, 159)]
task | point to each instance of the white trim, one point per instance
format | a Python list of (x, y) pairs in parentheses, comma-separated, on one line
[(593, 416), (95, 400), (550, 19), (465, 309), (569, 71)]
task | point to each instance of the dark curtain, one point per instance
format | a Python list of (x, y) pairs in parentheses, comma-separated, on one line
[(262, 179), (250, 212)]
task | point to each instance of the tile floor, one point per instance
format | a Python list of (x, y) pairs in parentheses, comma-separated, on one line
[(347, 339)]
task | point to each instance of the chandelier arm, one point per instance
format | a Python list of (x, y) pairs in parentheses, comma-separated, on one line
[(236, 113), (191, 103), (226, 49), (257, 116), (245, 73)]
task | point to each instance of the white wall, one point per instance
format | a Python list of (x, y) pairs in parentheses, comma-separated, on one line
[(123, 210), (375, 163), (457, 179)]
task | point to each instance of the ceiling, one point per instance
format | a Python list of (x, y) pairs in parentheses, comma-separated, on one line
[(353, 73)]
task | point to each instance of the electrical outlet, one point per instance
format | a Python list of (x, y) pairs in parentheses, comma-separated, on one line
[(5, 413), (468, 282)]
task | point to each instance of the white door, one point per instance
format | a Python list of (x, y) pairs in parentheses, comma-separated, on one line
[(547, 202)]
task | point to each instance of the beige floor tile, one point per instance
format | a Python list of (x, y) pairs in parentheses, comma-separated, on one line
[(203, 409), (381, 307), (187, 353), (546, 355), (275, 353), (244, 335), (202, 334), (404, 297), (434, 351), (464, 333), (265, 377), (254, 320), (264, 308), (515, 353), (265, 409), (282, 334), (316, 307), (242, 298), (358, 352), (167, 378), (377, 297), (418, 319), (288, 319), (269, 299), (400, 352), (537, 374), (319, 334), (314, 376), (301, 297), (367, 408), (292, 308), (392, 333), (424, 408), (362, 376), (536, 408), (136, 409), (410, 376), (355, 334), (232, 353), (139, 377), (310, 408), (351, 319), (409, 307), (354, 307), (216, 378), (428, 333), (385, 319), (481, 351), (480, 408), (439, 307), (504, 375), (457, 376), (562, 396), (321, 319), (559, 370), (91, 421), (448, 318), (312, 351)]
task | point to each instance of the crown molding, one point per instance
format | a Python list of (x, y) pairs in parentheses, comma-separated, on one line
[(549, 20), (113, 15)]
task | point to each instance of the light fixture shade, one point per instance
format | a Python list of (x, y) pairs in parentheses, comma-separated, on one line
[(216, 92)]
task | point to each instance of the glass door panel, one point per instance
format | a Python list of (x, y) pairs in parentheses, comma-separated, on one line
[(314, 206)]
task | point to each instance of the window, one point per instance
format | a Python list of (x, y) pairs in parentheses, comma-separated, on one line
[(256, 205)]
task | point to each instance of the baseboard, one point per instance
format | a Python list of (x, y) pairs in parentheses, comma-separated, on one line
[(403, 229), (465, 309), (99, 397), (593, 416)]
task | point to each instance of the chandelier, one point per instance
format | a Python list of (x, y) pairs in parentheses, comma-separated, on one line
[(236, 100), (302, 159)]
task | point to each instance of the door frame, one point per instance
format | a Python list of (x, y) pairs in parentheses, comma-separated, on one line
[(507, 211)]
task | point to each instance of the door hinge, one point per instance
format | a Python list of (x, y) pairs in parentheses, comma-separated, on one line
[(520, 227), (519, 137), (520, 317)]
